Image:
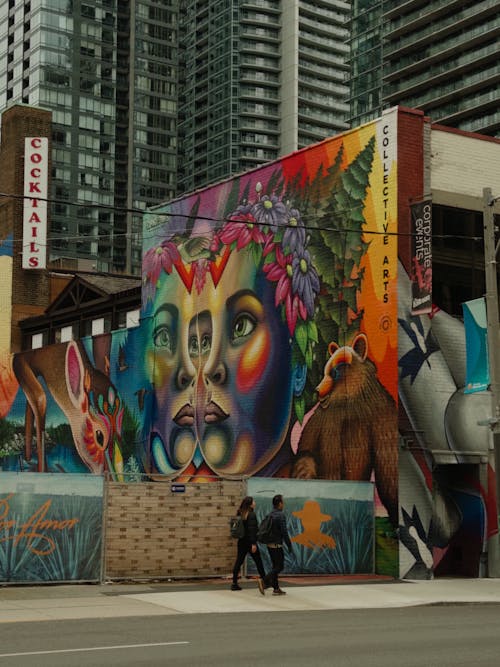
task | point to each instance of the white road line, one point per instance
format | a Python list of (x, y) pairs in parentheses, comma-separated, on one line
[(91, 648)]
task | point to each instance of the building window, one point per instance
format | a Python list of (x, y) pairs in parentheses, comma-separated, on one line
[(38, 340), (132, 318), (98, 326), (64, 334)]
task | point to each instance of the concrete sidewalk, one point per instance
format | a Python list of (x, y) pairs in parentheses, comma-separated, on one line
[(62, 602)]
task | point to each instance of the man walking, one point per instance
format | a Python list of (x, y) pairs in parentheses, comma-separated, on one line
[(279, 536)]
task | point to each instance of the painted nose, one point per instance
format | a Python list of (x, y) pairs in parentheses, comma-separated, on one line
[(216, 376), (184, 378)]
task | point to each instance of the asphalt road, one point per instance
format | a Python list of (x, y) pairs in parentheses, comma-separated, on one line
[(440, 636)]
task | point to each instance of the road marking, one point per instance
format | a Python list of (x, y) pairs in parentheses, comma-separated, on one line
[(91, 648)]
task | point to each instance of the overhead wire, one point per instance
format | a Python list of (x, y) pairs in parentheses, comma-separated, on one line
[(187, 216)]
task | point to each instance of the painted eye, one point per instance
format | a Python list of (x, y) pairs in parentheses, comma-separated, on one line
[(163, 338), (243, 326), (199, 347), (337, 371), (194, 348), (206, 343), (99, 436)]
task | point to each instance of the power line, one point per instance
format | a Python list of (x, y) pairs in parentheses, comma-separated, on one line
[(187, 216)]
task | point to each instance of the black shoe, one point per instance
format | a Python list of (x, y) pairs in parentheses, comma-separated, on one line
[(235, 587), (278, 591)]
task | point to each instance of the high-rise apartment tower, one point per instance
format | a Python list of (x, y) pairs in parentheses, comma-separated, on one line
[(259, 79), (107, 69), (238, 82), (442, 57)]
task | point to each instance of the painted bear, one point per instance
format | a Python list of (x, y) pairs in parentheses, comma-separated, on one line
[(353, 429)]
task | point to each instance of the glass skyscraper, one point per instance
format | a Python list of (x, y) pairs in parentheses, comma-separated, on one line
[(365, 61), (259, 79), (107, 69), (152, 98), (442, 57)]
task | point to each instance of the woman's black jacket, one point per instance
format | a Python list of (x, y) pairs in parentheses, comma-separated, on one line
[(251, 526)]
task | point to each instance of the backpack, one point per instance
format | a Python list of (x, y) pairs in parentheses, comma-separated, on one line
[(236, 527), (265, 531)]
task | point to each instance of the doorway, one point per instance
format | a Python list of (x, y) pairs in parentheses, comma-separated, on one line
[(458, 488)]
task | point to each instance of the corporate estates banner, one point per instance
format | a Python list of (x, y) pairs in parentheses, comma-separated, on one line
[(50, 527), (421, 257)]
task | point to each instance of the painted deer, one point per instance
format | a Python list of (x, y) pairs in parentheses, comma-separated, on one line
[(86, 396)]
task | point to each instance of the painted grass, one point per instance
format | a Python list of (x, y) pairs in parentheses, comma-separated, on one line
[(77, 550), (351, 526)]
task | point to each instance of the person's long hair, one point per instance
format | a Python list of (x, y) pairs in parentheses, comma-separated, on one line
[(245, 506)]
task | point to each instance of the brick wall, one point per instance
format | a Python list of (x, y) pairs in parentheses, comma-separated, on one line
[(410, 174), (30, 288), (152, 532)]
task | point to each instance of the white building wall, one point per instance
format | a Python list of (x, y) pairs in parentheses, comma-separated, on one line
[(464, 164)]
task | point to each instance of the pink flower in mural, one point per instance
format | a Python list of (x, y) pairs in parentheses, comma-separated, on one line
[(157, 259), (293, 308), (215, 243), (281, 272), (201, 269), (269, 244), (242, 229)]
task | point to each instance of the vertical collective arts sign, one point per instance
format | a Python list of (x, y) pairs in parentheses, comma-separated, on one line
[(36, 165)]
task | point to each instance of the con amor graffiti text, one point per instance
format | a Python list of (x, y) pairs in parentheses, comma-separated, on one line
[(35, 530)]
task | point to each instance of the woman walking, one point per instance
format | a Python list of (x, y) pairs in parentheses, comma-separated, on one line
[(248, 544)]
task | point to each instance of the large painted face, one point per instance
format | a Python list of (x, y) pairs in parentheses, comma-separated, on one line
[(220, 361)]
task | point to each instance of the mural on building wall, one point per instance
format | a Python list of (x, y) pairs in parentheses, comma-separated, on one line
[(330, 524), (50, 528), (86, 396), (8, 384), (10, 439), (272, 321), (268, 337), (447, 509), (279, 338), (267, 344)]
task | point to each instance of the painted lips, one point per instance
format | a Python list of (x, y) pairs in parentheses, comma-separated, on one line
[(213, 414), (185, 416)]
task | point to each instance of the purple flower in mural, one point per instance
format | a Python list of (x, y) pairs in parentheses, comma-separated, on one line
[(270, 211), (294, 237), (305, 280), (242, 229), (157, 259)]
